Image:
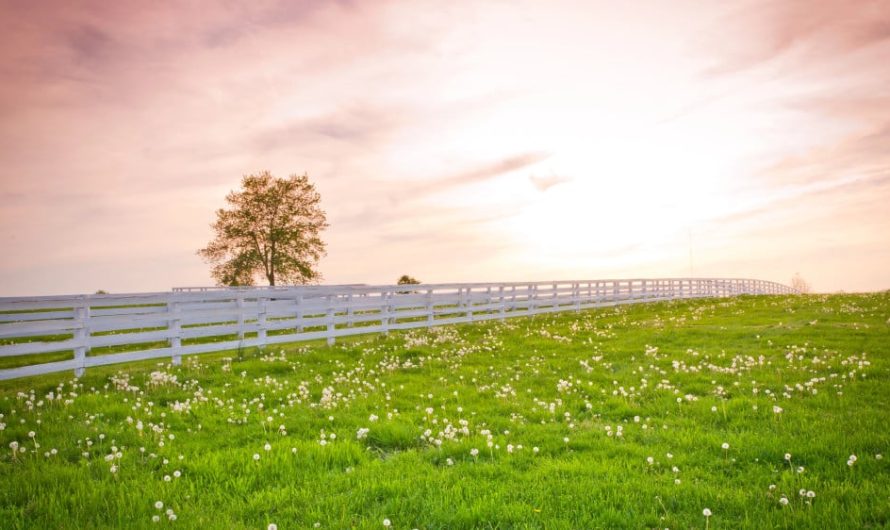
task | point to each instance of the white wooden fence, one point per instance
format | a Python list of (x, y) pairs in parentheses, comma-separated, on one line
[(95, 330)]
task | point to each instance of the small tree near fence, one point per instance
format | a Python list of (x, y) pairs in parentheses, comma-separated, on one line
[(407, 280)]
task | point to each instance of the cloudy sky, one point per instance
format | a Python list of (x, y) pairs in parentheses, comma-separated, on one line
[(453, 141)]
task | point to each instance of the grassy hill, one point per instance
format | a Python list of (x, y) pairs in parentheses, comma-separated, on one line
[(768, 412)]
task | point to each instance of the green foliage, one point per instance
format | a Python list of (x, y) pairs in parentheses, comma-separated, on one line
[(407, 280), (271, 229), (679, 379)]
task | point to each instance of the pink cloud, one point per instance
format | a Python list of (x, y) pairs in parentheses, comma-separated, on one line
[(425, 127)]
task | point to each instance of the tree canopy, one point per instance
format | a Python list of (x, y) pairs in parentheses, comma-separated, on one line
[(271, 229), (407, 280)]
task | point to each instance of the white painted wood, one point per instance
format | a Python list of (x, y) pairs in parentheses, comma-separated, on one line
[(42, 315), (330, 321), (82, 335), (307, 312), (175, 330), (261, 322)]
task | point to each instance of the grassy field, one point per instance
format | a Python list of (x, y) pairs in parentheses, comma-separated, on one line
[(764, 412)]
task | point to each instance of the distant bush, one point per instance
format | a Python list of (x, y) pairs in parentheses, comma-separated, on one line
[(407, 280)]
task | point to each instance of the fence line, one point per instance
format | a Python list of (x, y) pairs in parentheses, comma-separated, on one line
[(93, 329)]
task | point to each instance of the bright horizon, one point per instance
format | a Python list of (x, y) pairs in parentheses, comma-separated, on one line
[(470, 142)]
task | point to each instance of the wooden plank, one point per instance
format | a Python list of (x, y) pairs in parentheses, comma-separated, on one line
[(37, 369), (117, 358), (34, 305), (40, 315), (29, 348), (120, 311), (123, 339), (127, 322), (217, 315), (216, 331), (40, 327), (206, 306)]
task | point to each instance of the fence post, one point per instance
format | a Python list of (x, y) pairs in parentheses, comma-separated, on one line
[(460, 300), (175, 327), (429, 308), (239, 303), (503, 302), (329, 315), (384, 310), (532, 298), (468, 303), (349, 310), (299, 312), (261, 321), (82, 334), (576, 295), (555, 305)]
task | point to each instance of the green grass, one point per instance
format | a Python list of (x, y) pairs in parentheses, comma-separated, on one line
[(679, 378)]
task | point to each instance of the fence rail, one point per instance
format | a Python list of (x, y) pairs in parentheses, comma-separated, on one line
[(93, 329)]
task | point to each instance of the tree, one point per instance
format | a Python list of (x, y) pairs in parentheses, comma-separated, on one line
[(271, 230), (407, 280), (799, 284)]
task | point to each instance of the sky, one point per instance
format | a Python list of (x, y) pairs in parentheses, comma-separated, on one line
[(451, 141)]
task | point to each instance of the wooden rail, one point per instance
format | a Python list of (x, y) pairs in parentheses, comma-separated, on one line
[(93, 329)]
